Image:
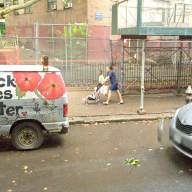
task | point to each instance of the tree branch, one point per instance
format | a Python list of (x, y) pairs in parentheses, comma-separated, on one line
[(17, 7)]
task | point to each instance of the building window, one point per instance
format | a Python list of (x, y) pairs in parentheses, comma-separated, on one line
[(28, 9), (15, 2), (52, 5)]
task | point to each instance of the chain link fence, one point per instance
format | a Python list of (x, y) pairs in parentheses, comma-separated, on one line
[(79, 59), (168, 62)]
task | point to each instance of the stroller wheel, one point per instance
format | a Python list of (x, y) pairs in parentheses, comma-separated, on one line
[(99, 103), (86, 103)]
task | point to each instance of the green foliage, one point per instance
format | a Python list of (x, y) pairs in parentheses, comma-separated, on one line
[(75, 30), (75, 37), (132, 162)]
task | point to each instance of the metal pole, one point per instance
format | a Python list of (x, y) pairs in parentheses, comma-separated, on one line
[(139, 16), (175, 13), (105, 36), (179, 70), (86, 42), (36, 42), (110, 52), (137, 50), (71, 51), (183, 14), (14, 47), (142, 112), (66, 68), (122, 67), (53, 40)]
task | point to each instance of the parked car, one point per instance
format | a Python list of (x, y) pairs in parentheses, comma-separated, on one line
[(31, 100), (180, 130)]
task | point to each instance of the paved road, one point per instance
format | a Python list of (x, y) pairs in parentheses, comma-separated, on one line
[(92, 159)]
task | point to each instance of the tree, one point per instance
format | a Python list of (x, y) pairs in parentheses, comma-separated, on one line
[(76, 35), (4, 12)]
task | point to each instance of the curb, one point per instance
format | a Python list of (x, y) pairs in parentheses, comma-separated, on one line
[(117, 120)]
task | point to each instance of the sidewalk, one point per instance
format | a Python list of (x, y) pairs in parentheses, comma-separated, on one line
[(154, 105)]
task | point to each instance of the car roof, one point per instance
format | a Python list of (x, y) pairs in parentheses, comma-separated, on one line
[(32, 68)]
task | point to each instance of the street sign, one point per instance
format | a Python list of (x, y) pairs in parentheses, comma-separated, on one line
[(99, 16)]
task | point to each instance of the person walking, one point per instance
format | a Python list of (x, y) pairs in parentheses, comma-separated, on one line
[(111, 75)]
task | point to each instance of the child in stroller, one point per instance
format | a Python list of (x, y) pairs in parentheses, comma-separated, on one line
[(100, 89), (95, 96)]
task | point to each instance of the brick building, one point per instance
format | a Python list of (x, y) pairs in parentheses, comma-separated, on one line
[(96, 13)]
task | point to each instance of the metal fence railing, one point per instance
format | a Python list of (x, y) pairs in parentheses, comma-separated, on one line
[(78, 58), (168, 62)]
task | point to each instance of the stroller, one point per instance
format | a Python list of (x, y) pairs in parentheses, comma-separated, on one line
[(95, 96)]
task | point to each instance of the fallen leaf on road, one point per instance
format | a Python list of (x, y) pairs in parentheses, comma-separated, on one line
[(132, 162), (25, 167), (116, 149), (9, 190), (150, 150), (13, 181), (45, 188), (123, 122), (190, 169), (43, 160), (180, 171), (161, 148), (109, 164), (89, 133), (66, 160)]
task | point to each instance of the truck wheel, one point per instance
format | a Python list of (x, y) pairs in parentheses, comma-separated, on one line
[(27, 136)]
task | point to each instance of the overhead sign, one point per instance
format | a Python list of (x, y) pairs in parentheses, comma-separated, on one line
[(99, 16)]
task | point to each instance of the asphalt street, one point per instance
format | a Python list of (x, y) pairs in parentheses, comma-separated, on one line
[(91, 158)]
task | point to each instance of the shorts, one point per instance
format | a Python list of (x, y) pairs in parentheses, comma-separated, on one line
[(114, 88)]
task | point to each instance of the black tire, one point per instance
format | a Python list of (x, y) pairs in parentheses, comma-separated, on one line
[(27, 136)]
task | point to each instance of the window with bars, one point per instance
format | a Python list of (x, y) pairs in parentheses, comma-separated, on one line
[(52, 5), (28, 9)]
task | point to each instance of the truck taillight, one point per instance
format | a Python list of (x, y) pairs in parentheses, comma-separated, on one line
[(65, 109)]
